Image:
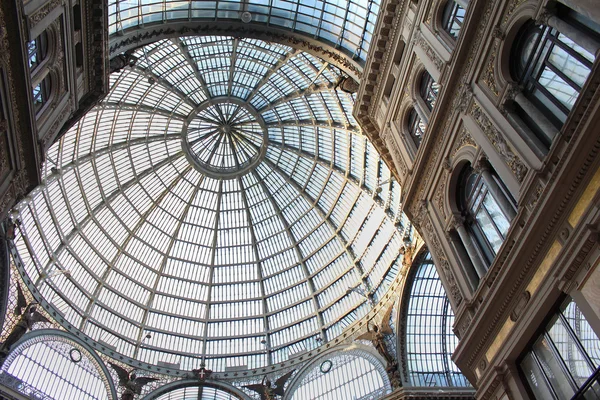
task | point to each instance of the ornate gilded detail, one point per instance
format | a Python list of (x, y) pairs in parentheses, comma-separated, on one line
[(440, 194), (495, 137), (463, 139), (420, 41), (511, 9), (489, 75)]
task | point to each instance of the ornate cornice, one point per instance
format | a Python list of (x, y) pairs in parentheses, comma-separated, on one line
[(386, 31)]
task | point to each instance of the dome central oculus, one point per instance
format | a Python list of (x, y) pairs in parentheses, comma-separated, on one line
[(225, 138)]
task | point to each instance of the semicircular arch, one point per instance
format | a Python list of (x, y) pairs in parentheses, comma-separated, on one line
[(45, 335)]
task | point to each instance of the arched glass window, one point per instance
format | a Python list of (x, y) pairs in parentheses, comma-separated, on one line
[(484, 217), (453, 18), (552, 68), (41, 93), (430, 341), (51, 367), (197, 393), (37, 50), (416, 126), (344, 376), (429, 90)]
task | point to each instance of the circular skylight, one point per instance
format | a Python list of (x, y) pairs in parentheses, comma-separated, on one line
[(225, 138), (220, 205)]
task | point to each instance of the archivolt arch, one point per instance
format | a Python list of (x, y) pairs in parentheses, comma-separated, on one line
[(466, 155), (220, 385), (41, 335), (355, 349)]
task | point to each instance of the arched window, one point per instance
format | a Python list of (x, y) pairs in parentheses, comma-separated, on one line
[(429, 90), (430, 341), (453, 18), (552, 69), (551, 62), (197, 393), (37, 50), (41, 93), (486, 210), (342, 375), (416, 126), (48, 366)]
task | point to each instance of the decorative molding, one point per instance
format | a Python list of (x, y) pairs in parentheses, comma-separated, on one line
[(513, 5), (20, 181), (390, 143), (489, 74), (442, 261), (420, 41), (463, 139), (520, 306), (590, 96), (518, 168), (41, 13), (440, 194)]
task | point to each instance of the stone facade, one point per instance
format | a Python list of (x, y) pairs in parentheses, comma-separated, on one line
[(551, 248)]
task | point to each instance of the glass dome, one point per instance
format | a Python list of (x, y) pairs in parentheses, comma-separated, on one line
[(220, 205), (345, 24)]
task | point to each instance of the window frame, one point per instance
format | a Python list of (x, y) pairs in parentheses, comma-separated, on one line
[(449, 16), (543, 333)]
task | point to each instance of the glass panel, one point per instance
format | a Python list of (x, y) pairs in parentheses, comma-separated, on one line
[(429, 341), (502, 223), (342, 377), (552, 368), (535, 378), (574, 360), (348, 24), (583, 331), (265, 256), (568, 65), (487, 227)]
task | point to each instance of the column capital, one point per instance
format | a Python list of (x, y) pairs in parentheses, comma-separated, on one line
[(457, 221), (481, 165), (543, 17)]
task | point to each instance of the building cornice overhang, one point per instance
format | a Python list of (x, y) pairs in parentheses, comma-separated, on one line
[(96, 15), (386, 31), (130, 39)]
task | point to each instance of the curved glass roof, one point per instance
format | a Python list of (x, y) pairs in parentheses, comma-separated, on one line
[(239, 252), (430, 340), (346, 24)]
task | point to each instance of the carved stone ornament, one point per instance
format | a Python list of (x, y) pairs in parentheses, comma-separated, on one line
[(463, 139), (420, 41), (520, 306), (513, 161), (440, 192), (20, 182), (43, 11), (392, 147), (439, 255), (489, 75)]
